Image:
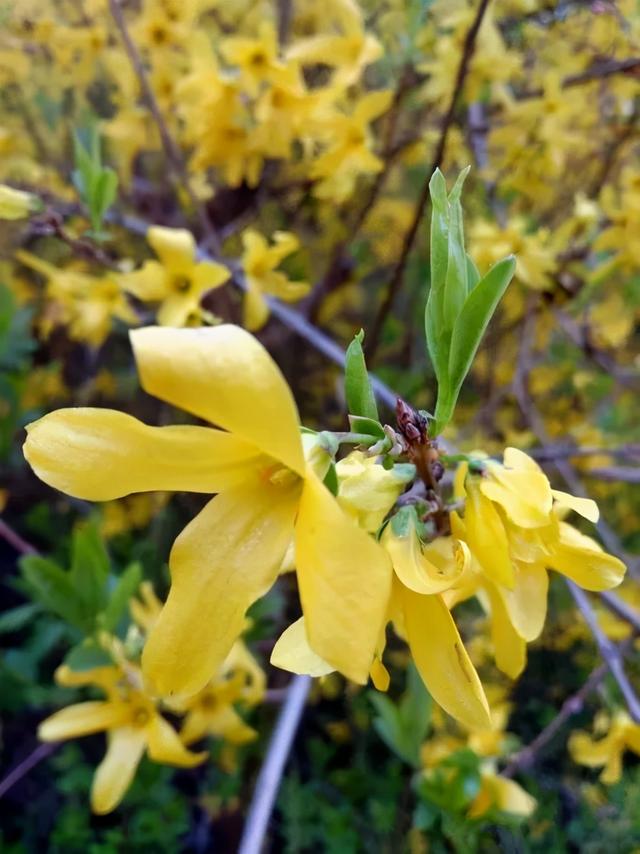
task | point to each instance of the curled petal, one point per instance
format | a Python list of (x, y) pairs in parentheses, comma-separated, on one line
[(102, 454), (232, 382), (585, 507), (425, 568)]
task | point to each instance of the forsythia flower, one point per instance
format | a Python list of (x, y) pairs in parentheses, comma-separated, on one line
[(419, 614), (623, 735), (513, 527), (231, 553), (497, 792), (130, 719), (178, 281), (259, 262)]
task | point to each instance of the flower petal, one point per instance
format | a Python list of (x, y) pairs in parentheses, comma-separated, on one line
[(82, 719), (487, 538), (510, 649), (224, 560), (425, 568), (526, 604), (442, 660), (175, 247), (585, 507), (293, 653), (510, 797), (255, 310), (101, 454), (164, 745), (344, 578), (223, 374), (525, 496), (582, 560), (116, 771)]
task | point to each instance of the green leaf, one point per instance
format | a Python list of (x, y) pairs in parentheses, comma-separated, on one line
[(51, 586), (90, 567), (86, 656), (469, 328), (17, 618), (124, 588), (473, 274), (357, 385), (455, 287), (367, 426)]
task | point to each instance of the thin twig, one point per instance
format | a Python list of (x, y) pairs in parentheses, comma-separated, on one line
[(409, 239), (598, 71), (171, 149), (41, 752), (268, 782), (15, 540), (608, 650)]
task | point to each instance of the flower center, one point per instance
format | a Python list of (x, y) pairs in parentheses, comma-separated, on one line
[(181, 284), (140, 717)]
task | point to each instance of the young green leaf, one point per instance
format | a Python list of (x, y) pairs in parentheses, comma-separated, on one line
[(89, 568), (51, 586), (358, 390), (123, 590)]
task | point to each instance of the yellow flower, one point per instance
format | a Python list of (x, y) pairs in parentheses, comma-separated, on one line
[(367, 491), (623, 735), (231, 553), (132, 722), (16, 204), (420, 616), (86, 304), (259, 262), (212, 712), (514, 529), (178, 281), (497, 792), (256, 58)]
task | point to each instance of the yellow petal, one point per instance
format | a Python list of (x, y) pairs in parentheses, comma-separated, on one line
[(224, 560), (510, 649), (344, 578), (164, 745), (116, 771), (526, 604), (525, 496), (175, 247), (16, 204), (255, 310), (207, 275), (586, 507), (379, 675), (583, 560), (224, 375), (424, 568), (586, 751), (101, 454), (487, 538), (442, 660), (512, 798), (293, 653), (82, 719), (149, 283)]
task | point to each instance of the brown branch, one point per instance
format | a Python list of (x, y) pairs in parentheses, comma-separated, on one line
[(171, 149), (409, 239), (598, 71)]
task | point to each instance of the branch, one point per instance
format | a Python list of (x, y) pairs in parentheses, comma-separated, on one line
[(598, 71), (268, 782), (16, 540), (398, 272), (171, 149), (42, 751)]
